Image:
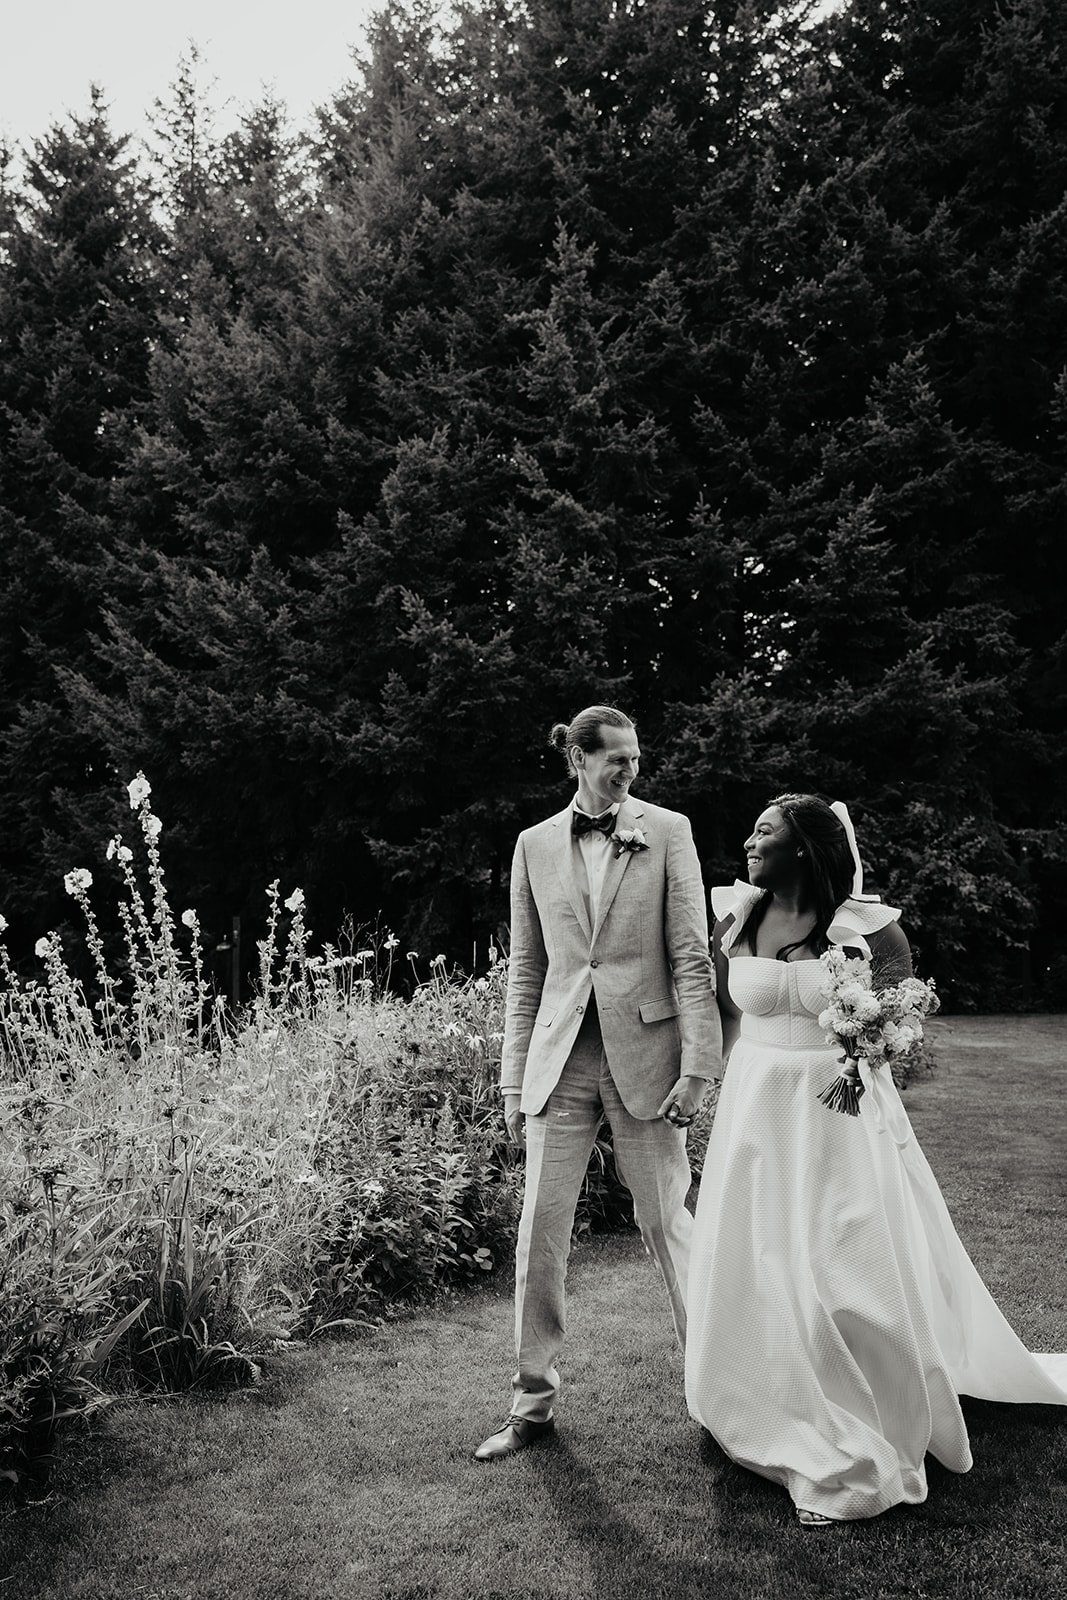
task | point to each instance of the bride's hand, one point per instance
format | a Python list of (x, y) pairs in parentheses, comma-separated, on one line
[(683, 1102)]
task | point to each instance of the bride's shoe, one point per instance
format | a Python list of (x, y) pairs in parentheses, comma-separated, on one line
[(813, 1519)]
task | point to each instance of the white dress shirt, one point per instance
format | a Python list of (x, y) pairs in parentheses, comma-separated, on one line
[(595, 850)]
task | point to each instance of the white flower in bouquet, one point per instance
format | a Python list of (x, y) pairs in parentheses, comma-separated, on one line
[(869, 1024)]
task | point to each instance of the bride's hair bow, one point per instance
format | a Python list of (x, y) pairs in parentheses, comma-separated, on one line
[(840, 811)]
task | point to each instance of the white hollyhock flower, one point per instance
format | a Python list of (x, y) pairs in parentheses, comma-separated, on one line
[(3, 923), (42, 949), (78, 881), (152, 827), (189, 918), (295, 901), (138, 790)]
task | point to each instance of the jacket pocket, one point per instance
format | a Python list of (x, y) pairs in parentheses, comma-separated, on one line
[(545, 1019), (658, 1010)]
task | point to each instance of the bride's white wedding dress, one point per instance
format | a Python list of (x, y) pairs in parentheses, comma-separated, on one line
[(834, 1314)]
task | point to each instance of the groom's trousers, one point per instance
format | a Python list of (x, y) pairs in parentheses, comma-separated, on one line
[(650, 1158)]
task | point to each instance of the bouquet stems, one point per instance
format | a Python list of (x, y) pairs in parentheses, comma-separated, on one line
[(844, 1092)]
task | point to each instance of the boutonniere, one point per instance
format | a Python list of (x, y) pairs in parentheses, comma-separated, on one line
[(627, 841)]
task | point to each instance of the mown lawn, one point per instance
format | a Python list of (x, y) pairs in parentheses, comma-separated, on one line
[(348, 1473)]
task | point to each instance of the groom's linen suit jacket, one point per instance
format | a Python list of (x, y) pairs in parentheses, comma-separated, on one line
[(646, 960)]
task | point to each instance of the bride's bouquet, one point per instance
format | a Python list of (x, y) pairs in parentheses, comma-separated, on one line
[(877, 1025)]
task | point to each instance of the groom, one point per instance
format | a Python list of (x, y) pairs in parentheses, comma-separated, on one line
[(610, 1012)]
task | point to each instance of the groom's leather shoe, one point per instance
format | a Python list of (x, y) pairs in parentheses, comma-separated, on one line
[(514, 1436)]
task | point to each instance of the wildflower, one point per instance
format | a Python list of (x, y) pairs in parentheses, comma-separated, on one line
[(438, 961), (78, 881), (295, 901), (474, 1043), (372, 1189), (152, 827), (189, 918), (392, 942), (413, 955), (42, 949), (138, 791), (364, 955)]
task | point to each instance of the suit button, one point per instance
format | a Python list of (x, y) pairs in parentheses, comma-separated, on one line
[(578, 1008), (594, 963)]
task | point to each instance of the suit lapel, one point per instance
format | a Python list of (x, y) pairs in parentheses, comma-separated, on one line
[(565, 852), (629, 812)]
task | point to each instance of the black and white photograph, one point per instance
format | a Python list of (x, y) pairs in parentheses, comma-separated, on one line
[(533, 800)]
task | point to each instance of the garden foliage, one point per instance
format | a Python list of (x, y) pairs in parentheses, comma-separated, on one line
[(183, 1190)]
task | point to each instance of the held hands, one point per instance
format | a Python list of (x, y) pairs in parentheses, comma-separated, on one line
[(683, 1102), (679, 1108), (514, 1119)]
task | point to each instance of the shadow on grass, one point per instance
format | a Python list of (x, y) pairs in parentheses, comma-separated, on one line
[(621, 1556), (998, 1529)]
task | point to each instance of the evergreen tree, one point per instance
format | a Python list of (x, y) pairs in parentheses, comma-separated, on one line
[(710, 361), (884, 251), (79, 314)]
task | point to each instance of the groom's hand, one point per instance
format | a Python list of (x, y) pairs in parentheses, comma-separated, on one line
[(514, 1119), (683, 1102)]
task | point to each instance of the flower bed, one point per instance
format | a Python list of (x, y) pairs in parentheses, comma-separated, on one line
[(183, 1190)]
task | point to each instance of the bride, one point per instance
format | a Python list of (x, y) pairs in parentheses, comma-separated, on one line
[(834, 1315)]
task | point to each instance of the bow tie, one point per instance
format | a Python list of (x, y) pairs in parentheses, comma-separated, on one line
[(580, 824)]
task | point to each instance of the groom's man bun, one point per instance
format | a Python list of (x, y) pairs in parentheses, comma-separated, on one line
[(584, 731)]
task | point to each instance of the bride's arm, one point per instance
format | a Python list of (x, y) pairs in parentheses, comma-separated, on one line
[(731, 1017), (890, 955)]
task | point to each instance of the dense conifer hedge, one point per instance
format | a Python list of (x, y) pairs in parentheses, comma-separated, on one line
[(707, 358)]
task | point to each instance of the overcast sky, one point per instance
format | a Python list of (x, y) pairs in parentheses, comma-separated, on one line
[(52, 50)]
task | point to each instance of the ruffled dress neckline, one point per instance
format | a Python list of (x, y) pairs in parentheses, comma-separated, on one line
[(855, 917)]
